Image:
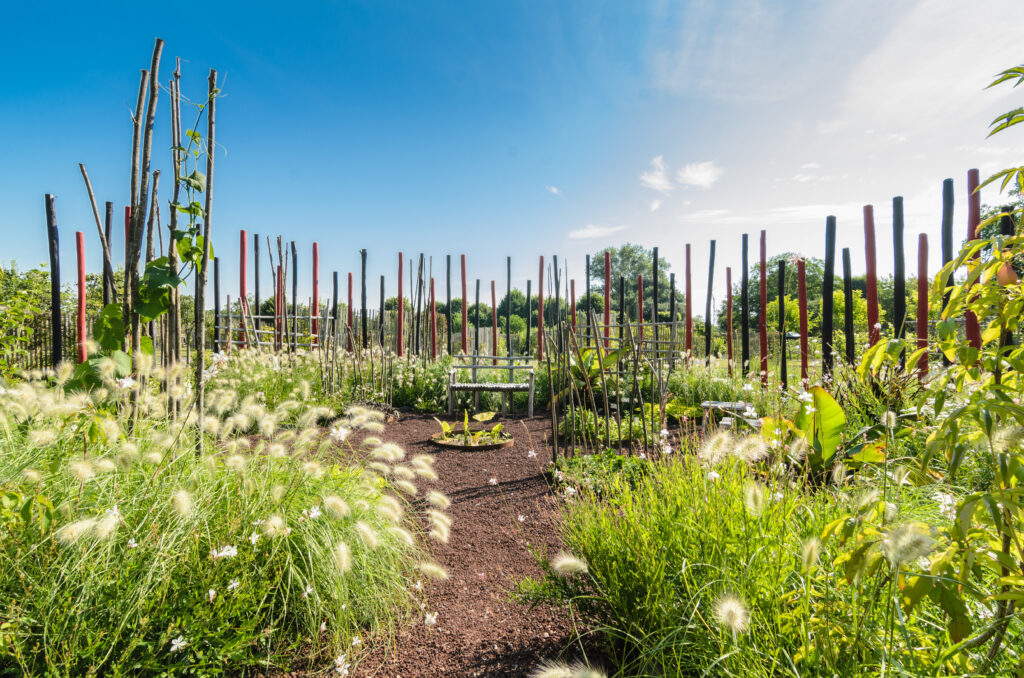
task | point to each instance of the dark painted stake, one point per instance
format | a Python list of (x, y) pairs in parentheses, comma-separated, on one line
[(783, 375), (654, 297), (108, 273), (971, 326), (256, 282), (801, 275), (448, 299), (295, 297), (608, 295), (899, 281), (476, 320), (827, 296), (947, 238), (922, 304), (364, 316), (848, 305), (744, 309), (334, 304), (465, 309), (707, 307), (689, 308), (216, 305), (80, 251), (728, 317), (380, 317), (762, 316), (529, 315), (400, 318), (508, 304), (53, 241), (540, 311), (494, 323)]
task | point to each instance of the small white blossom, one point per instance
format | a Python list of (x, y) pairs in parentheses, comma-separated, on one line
[(531, 454), (132, 544), (253, 538), (522, 518), (713, 475), (492, 481), (430, 619), (339, 433), (178, 644), (233, 584), (125, 383), (211, 594)]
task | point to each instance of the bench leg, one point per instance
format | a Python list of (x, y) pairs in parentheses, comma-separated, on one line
[(451, 401), (529, 406)]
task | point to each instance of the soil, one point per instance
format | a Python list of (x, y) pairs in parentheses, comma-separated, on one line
[(480, 630)]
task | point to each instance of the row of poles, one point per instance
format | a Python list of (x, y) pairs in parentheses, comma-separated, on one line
[(425, 292)]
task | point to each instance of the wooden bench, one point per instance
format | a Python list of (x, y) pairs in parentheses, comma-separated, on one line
[(730, 407), (476, 387)]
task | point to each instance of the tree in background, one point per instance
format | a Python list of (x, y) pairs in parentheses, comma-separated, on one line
[(630, 261)]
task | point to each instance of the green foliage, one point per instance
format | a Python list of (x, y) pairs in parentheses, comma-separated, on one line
[(631, 261)]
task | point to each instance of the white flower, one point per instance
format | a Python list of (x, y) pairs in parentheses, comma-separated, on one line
[(570, 491), (211, 594), (492, 481), (341, 666), (810, 409), (664, 433), (132, 544), (430, 619), (531, 454), (356, 640), (878, 326), (233, 584), (778, 496), (314, 513), (522, 518), (667, 449), (178, 644), (641, 456), (339, 433), (125, 383), (713, 475), (253, 538), (114, 512), (309, 589), (224, 552), (418, 586)]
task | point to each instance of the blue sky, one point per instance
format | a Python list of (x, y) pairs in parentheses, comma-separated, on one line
[(518, 128)]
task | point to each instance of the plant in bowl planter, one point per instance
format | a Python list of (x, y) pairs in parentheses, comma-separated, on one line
[(468, 438)]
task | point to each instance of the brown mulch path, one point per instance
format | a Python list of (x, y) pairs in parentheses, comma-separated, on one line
[(480, 631)]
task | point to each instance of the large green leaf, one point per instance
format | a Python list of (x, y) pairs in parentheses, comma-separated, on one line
[(108, 328), (823, 426)]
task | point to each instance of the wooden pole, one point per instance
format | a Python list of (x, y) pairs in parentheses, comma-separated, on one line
[(314, 311), (216, 305), (433, 322), (922, 304), (654, 298), (108, 270), (728, 317), (380, 317), (607, 295), (465, 308), (744, 309), (80, 247), (448, 302), (672, 320), (783, 372), (476, 321), (278, 309), (707, 308), (295, 296), (874, 328), (947, 239), (762, 316), (334, 304), (363, 316), (848, 306), (508, 304), (351, 314), (971, 326), (529, 314), (801, 275), (400, 318), (243, 273), (572, 302), (494, 323), (640, 308), (540, 311), (827, 300), (689, 307), (257, 311), (53, 241)]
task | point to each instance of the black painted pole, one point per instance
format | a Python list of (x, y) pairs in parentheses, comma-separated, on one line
[(380, 318), (529, 316), (448, 304), (334, 304), (622, 307), (744, 310), (707, 307), (848, 305), (827, 301), (53, 240), (783, 376), (899, 283), (108, 273), (947, 238), (362, 296), (654, 299), (476, 321)]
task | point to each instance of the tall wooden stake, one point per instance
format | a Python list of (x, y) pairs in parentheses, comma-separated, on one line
[(874, 329), (848, 306), (971, 326), (540, 311), (922, 304), (80, 250), (728, 317), (53, 241), (400, 318), (762, 315), (801, 275), (707, 308), (827, 296), (783, 372), (744, 309), (465, 308)]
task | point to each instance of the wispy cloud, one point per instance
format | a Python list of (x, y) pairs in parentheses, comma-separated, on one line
[(700, 174), (591, 231), (655, 205), (656, 178), (553, 190)]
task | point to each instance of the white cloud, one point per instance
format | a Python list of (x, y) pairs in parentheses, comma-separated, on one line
[(655, 205), (554, 190), (591, 231), (810, 165), (657, 177), (701, 174), (802, 178)]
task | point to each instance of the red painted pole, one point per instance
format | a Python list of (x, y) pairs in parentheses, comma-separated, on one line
[(494, 323), (874, 329), (922, 304), (607, 295), (315, 311), (401, 309), (762, 319), (350, 313), (243, 241), (689, 308), (801, 273), (540, 312), (971, 326), (728, 316), (640, 306), (465, 309), (433, 323), (80, 246), (572, 302)]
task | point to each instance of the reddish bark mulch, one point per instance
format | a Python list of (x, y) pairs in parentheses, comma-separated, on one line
[(480, 631)]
